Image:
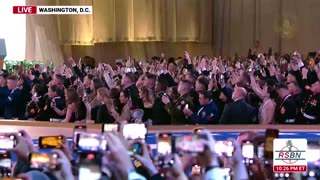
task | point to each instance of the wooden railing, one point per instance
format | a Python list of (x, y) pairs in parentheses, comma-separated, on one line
[(38, 128)]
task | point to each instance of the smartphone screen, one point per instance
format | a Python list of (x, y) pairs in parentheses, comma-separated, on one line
[(271, 134), (165, 150), (229, 148), (313, 155), (5, 161), (226, 173), (91, 142), (50, 142), (89, 166), (77, 130), (247, 150), (137, 148), (43, 160), (224, 148), (110, 127), (134, 131), (260, 151), (190, 143), (7, 142)]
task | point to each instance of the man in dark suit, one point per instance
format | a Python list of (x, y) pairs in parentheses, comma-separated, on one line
[(4, 90), (13, 101), (159, 114), (239, 111), (53, 104), (128, 83)]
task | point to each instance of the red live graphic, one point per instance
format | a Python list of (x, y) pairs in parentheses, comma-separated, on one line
[(24, 9)]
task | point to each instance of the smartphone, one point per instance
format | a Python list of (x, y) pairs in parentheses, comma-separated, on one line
[(224, 148), (5, 160), (313, 156), (270, 134), (187, 106), (229, 148), (226, 173), (134, 131), (50, 142), (91, 142), (110, 127), (136, 148), (165, 150), (260, 151), (77, 130), (7, 142), (189, 143), (43, 160), (12, 134), (248, 151), (90, 166)]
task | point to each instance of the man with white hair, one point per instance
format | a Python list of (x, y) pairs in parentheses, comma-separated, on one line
[(239, 111)]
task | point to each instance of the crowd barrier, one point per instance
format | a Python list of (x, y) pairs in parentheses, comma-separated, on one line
[(220, 132), (38, 128)]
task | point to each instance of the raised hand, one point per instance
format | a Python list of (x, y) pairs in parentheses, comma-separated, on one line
[(71, 61), (187, 56)]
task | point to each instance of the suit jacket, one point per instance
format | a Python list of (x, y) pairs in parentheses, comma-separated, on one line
[(159, 114), (238, 112), (102, 115), (4, 93), (47, 111), (11, 108), (134, 95)]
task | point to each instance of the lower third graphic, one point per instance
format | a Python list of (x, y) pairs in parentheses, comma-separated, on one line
[(289, 155)]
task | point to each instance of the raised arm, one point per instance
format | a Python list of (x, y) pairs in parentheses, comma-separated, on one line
[(255, 87)]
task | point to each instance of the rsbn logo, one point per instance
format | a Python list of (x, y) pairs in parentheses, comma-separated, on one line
[(289, 155)]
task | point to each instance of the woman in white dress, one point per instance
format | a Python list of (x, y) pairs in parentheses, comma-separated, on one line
[(267, 108)]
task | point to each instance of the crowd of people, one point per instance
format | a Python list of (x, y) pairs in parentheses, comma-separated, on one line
[(262, 88), (119, 161)]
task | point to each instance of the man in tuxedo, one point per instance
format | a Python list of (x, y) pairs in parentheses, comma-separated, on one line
[(13, 101), (239, 111)]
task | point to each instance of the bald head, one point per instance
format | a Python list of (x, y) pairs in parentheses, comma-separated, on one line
[(239, 93)]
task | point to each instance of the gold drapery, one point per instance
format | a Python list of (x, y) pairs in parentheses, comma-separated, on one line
[(42, 42), (284, 25), (137, 21), (219, 27)]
